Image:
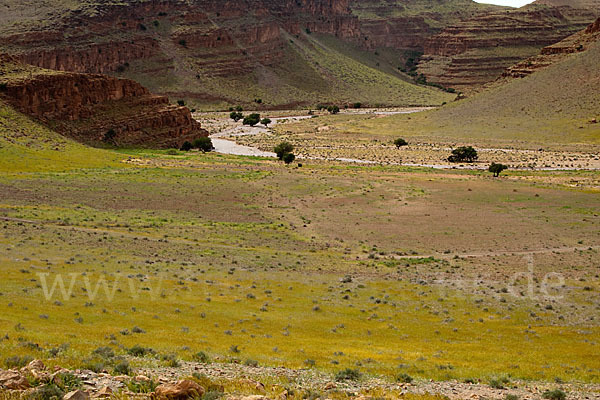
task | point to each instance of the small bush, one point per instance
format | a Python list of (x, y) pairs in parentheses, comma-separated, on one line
[(183, 43), (172, 152), (46, 392), (497, 169), (122, 368), (251, 363), (67, 381), (348, 374), (404, 378), (212, 395), (236, 116), (201, 357), (555, 394), (142, 386), (289, 158), (511, 397), (3, 86), (104, 352), (186, 146), (17, 362), (181, 103), (139, 351), (265, 122), (498, 383)]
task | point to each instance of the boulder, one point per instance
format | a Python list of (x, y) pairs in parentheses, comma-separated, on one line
[(181, 390), (13, 380), (104, 392), (76, 395), (36, 365)]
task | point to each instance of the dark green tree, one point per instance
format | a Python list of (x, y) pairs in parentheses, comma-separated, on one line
[(463, 154), (497, 169), (186, 146), (204, 144), (265, 122), (288, 158), (282, 149), (333, 109), (251, 119), (400, 142), (236, 116)]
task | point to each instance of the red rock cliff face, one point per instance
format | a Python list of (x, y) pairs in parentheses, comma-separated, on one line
[(121, 34), (86, 107), (476, 51)]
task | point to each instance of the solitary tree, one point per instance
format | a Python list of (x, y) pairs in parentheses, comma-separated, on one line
[(333, 109), (265, 122), (497, 169), (400, 142), (204, 144), (289, 158), (282, 149), (463, 154), (251, 119)]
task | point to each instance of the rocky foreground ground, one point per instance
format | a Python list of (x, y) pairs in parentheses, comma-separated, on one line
[(241, 382)]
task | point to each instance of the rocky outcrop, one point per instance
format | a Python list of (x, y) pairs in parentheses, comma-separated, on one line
[(121, 33), (98, 109), (554, 53), (476, 51), (182, 390)]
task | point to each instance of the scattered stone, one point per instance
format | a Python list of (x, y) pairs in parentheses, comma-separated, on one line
[(13, 380), (76, 395), (181, 390), (104, 392)]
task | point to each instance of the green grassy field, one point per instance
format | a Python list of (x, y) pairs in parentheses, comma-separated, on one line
[(242, 259)]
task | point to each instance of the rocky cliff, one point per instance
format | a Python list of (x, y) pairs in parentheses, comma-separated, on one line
[(475, 51), (556, 52), (96, 109)]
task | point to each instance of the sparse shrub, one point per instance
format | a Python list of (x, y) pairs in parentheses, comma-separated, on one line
[(104, 352), (212, 395), (204, 144), (139, 351), (282, 149), (186, 146), (3, 86), (17, 362), (357, 105), (251, 363), (234, 348), (499, 383), (400, 142), (137, 329), (201, 357), (122, 368), (555, 394), (171, 360), (67, 381), (251, 119), (289, 158), (310, 363), (333, 109), (497, 169), (172, 152), (182, 43), (348, 374), (511, 397), (181, 103), (142, 27), (404, 378), (46, 392), (265, 122), (141, 386), (463, 154)]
